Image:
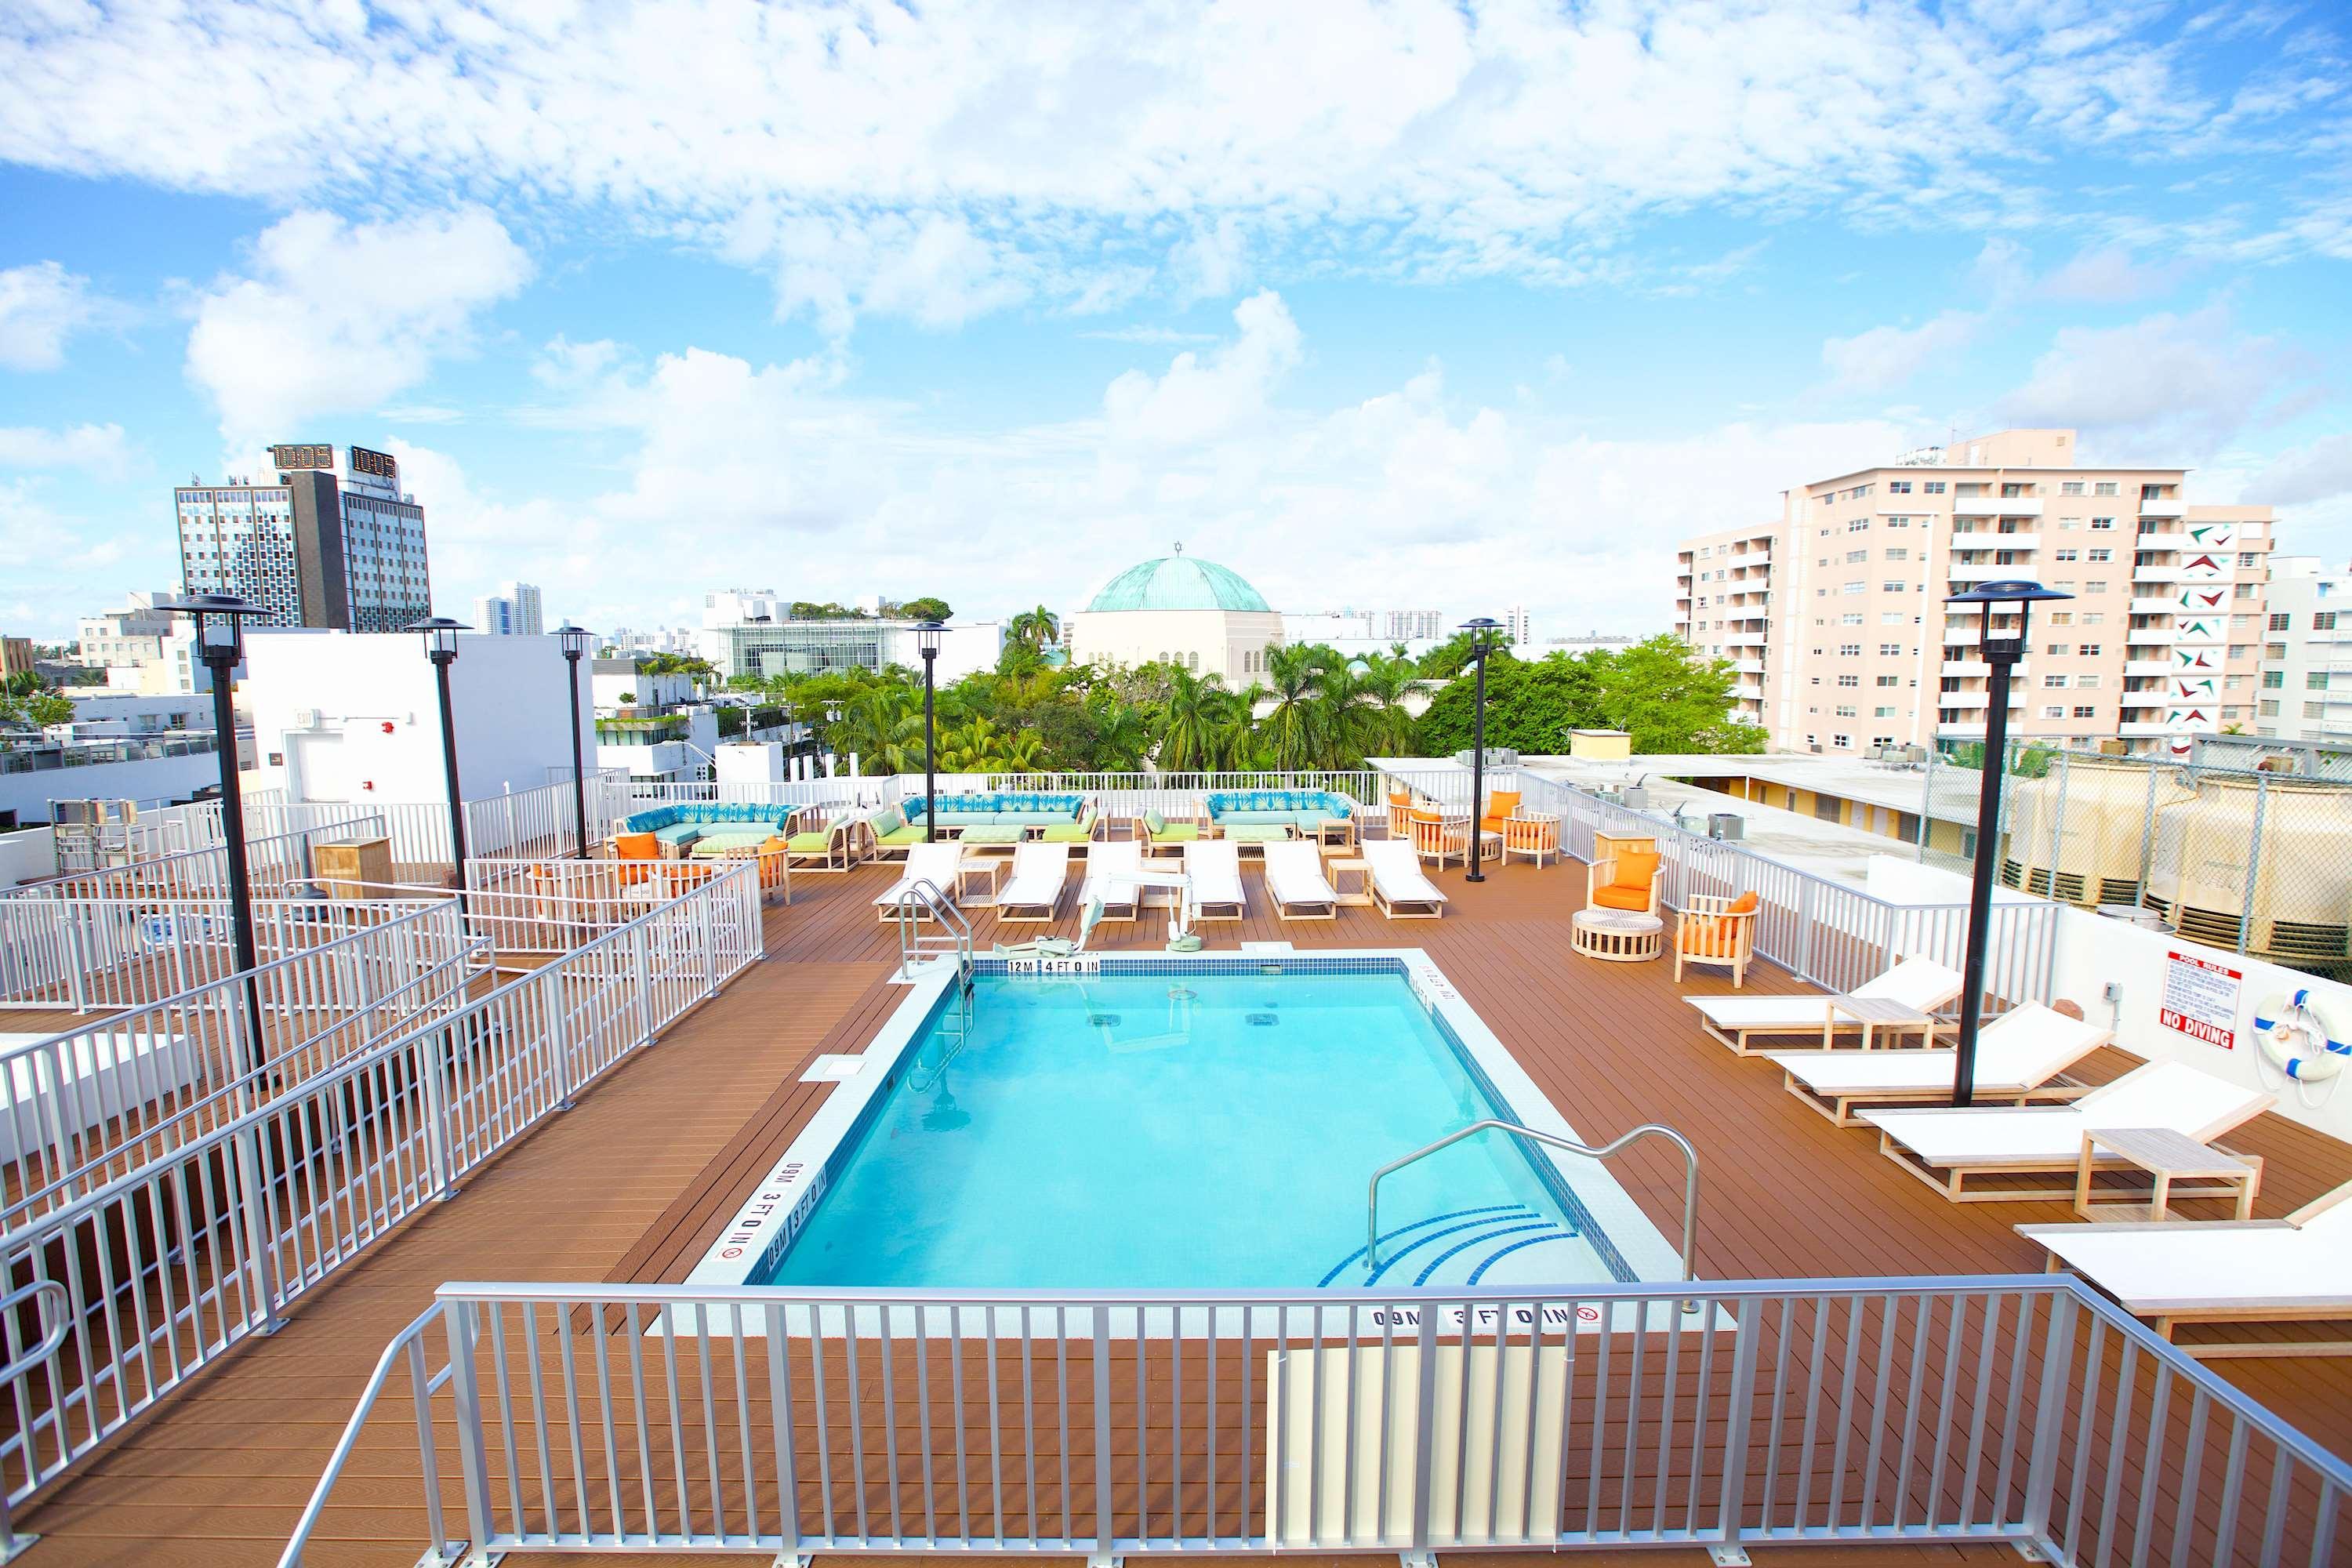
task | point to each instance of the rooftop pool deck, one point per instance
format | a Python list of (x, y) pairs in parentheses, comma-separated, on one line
[(633, 1182)]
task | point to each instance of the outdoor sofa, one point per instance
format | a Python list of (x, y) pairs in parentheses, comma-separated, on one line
[(1027, 809), (677, 826), (1303, 810)]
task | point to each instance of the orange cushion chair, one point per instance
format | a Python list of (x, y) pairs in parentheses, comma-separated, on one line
[(1628, 881), (1502, 804), (1717, 931)]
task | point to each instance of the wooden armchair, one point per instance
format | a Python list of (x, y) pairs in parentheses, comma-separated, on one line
[(1437, 837), (1399, 813), (1717, 931), (1502, 804), (1624, 877)]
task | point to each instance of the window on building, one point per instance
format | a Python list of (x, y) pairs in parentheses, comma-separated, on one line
[(2099, 523), (2085, 711), (2098, 555), (2096, 586), (1882, 712), (2104, 487), (2053, 711), (1889, 680), (2070, 487), (1931, 486), (2054, 681), (2069, 556), (2247, 558), (2086, 682), (1848, 680), (1854, 555), (2269, 707), (1849, 650), (2274, 651), (2274, 679), (2324, 621), (2314, 680), (2088, 649), (1845, 710), (2314, 710), (1898, 487), (1890, 650), (1898, 553), (1896, 586)]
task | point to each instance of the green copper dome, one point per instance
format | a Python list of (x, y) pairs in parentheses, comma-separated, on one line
[(1178, 581)]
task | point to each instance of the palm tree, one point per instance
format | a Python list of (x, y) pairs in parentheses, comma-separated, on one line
[(883, 725), (1202, 726), (1122, 734), (1294, 731), (1034, 628), (1383, 727)]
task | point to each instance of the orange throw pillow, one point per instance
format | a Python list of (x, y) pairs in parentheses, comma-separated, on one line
[(1745, 904), (1635, 868)]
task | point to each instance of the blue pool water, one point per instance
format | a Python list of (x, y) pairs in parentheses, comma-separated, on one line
[(1192, 1130)]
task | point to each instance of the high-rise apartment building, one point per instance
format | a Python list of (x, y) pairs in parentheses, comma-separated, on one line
[(494, 616), (1833, 613), (1518, 630), (523, 600), (331, 543), (132, 634), (2306, 663)]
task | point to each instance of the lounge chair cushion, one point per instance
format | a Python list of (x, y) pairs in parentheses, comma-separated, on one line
[(905, 833), (1154, 822), (1177, 833), (717, 843), (994, 832), (811, 843)]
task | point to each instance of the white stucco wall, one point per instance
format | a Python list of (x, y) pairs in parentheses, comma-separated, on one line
[(1218, 639), (377, 734)]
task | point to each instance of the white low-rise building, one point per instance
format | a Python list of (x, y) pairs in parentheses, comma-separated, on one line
[(354, 716)]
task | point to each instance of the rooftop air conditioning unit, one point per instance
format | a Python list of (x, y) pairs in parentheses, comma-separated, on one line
[(1727, 825), (1496, 757), (2095, 818)]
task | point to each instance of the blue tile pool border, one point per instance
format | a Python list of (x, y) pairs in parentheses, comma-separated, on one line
[(766, 1223)]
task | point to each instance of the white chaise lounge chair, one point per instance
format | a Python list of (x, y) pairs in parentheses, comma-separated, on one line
[(1215, 867), (1112, 867), (1035, 888), (1944, 1147), (2297, 1269), (932, 863), (2018, 1054), (1295, 881), (1920, 983), (1399, 890)]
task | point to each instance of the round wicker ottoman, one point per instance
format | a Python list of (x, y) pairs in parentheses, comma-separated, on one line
[(1618, 936)]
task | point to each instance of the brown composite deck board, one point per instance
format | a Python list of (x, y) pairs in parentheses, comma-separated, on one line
[(633, 1182)]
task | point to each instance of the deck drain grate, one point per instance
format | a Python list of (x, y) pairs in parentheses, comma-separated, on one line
[(1103, 1020), (1262, 1020)]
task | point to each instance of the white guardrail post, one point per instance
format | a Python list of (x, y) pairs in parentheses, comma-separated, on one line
[(465, 1393), (435, 1090), (640, 967)]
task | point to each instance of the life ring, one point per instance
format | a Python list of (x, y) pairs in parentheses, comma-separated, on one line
[(2298, 1036)]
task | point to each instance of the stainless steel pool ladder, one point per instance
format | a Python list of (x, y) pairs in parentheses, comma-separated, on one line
[(1647, 1130), (922, 897)]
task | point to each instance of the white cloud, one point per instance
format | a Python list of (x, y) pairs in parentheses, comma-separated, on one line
[(938, 161), (96, 447), (40, 306), (2106, 276), (2166, 388), (797, 483), (2319, 472), (1204, 396), (1885, 357), (338, 317)]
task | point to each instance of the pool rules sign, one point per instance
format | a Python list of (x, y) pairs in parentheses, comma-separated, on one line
[(2200, 999)]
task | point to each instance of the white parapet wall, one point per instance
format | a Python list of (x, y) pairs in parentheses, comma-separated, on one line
[(2173, 999)]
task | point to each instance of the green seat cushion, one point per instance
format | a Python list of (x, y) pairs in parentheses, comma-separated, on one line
[(1069, 833), (712, 845), (1256, 833), (679, 833), (1176, 833), (809, 843), (912, 833), (994, 832)]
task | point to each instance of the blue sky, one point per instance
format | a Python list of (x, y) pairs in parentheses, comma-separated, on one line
[(1401, 304)]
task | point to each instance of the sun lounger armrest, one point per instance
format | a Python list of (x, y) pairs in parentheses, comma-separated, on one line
[(2142, 1227)]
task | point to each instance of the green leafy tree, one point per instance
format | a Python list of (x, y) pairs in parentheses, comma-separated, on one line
[(1296, 730), (924, 609), (1667, 700), (1034, 628), (1202, 727)]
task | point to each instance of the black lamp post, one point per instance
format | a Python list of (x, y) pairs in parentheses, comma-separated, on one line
[(1482, 630), (575, 648), (2000, 600), (927, 641), (441, 647), (220, 644)]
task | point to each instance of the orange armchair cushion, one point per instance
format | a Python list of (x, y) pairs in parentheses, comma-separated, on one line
[(1611, 896), (1745, 904), (1635, 869), (637, 847)]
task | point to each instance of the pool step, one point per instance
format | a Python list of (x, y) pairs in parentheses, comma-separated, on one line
[(1457, 1248)]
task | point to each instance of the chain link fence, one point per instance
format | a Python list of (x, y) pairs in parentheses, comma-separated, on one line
[(2256, 860)]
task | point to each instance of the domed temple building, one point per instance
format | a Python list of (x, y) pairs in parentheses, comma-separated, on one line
[(1183, 610)]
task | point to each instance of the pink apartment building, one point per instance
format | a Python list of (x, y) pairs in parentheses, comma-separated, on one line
[(1834, 613)]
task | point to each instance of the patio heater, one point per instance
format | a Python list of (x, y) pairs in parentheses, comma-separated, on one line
[(926, 640), (1999, 601), (440, 635), (220, 644), (1482, 630), (576, 649)]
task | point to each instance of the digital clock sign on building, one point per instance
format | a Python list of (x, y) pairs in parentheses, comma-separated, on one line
[(324, 546)]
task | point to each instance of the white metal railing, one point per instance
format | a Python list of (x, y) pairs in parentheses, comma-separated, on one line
[(82, 1108), (1113, 794), (1921, 1411), (1828, 932), (193, 1249), (538, 821)]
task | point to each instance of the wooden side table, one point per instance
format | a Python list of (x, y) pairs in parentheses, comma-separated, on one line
[(1618, 936), (1874, 1013), (985, 869), (1346, 867), (2167, 1157)]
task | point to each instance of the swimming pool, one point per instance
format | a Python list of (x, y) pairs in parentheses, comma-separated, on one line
[(1185, 1124)]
